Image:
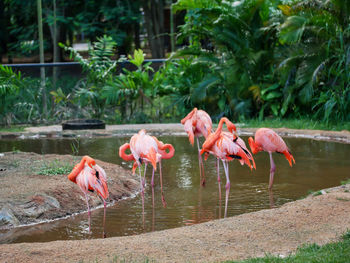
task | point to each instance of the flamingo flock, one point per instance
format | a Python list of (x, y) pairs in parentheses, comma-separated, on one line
[(145, 149)]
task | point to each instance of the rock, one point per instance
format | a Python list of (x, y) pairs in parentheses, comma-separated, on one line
[(7, 218), (39, 204)]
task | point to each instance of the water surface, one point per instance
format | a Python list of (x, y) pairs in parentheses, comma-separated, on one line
[(318, 165)]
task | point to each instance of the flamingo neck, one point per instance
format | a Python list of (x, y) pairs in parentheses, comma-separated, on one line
[(253, 146), (123, 155), (78, 168), (170, 154), (189, 116)]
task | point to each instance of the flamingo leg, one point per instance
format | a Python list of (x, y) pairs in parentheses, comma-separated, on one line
[(219, 180), (153, 214), (104, 219), (152, 180), (228, 184), (218, 169), (144, 176), (201, 165), (89, 212), (141, 186), (161, 183), (272, 170), (142, 195)]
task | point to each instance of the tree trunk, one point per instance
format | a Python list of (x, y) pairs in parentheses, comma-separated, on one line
[(41, 51), (137, 36), (55, 46), (172, 33), (154, 18), (3, 30)]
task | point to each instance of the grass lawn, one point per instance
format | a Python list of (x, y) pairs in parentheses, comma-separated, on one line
[(337, 252), (296, 124), (12, 129)]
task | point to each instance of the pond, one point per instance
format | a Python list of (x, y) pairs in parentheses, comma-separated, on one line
[(318, 165)]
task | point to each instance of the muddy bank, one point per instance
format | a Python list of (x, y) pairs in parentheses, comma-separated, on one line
[(29, 194)]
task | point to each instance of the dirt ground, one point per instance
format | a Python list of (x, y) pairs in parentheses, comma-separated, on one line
[(27, 197), (279, 231)]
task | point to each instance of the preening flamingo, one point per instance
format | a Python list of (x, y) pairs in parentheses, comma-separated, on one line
[(269, 141), (147, 149), (198, 123), (90, 177), (225, 147)]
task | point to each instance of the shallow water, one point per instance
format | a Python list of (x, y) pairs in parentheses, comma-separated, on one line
[(318, 165)]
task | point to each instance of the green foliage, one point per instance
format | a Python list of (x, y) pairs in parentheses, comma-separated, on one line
[(233, 43), (117, 19), (10, 83), (295, 123), (345, 182), (317, 36), (99, 69), (132, 88), (270, 58), (12, 129), (55, 168), (257, 59), (75, 146)]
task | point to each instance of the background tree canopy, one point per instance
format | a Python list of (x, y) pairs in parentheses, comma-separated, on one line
[(242, 59)]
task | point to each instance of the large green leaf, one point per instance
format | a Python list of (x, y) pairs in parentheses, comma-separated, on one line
[(292, 29), (200, 91)]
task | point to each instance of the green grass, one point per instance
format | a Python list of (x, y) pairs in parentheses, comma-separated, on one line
[(55, 168), (12, 129), (295, 124), (333, 252), (345, 182)]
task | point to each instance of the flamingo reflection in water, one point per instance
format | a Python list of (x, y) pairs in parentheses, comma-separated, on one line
[(226, 147), (90, 177)]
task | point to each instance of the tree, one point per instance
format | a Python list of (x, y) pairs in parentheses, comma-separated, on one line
[(154, 20), (316, 64)]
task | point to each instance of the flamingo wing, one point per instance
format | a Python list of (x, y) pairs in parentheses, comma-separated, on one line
[(270, 141), (203, 124), (189, 130), (82, 179)]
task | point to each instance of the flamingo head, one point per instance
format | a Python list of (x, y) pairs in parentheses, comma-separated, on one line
[(89, 161), (231, 127), (253, 146)]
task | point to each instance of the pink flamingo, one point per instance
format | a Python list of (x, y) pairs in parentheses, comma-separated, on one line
[(224, 147), (269, 141), (89, 176), (147, 149), (197, 123)]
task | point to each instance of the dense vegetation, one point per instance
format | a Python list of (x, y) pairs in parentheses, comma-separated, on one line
[(253, 59)]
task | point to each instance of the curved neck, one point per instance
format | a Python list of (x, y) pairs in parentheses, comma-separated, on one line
[(189, 116), (170, 153), (76, 170), (253, 146), (123, 155), (230, 126), (213, 137)]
